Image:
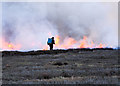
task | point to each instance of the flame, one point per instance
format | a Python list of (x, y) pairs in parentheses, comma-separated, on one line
[(57, 40), (82, 43), (67, 43), (9, 46), (101, 45)]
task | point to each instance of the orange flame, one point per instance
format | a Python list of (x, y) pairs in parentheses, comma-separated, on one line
[(57, 40), (101, 45), (9, 46), (67, 43), (71, 42)]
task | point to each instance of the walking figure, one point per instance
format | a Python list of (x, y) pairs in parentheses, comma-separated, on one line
[(50, 42)]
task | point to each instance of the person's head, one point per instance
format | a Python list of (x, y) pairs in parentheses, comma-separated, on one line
[(52, 37)]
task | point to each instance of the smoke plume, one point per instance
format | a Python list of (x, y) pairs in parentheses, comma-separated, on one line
[(31, 23)]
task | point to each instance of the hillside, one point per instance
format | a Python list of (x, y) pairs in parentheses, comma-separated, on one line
[(72, 66)]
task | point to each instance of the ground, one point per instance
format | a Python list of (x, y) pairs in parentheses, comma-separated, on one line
[(73, 66)]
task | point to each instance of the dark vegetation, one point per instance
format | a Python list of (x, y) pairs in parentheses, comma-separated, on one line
[(17, 53), (72, 66)]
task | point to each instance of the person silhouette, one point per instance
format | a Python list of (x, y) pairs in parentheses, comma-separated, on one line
[(52, 42)]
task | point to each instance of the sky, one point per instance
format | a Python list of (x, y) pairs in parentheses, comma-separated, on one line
[(31, 22)]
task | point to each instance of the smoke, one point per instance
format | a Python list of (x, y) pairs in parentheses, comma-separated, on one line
[(31, 22)]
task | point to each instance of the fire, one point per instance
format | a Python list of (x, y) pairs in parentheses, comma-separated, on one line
[(101, 45), (83, 42), (9, 46), (71, 42), (67, 43), (57, 40)]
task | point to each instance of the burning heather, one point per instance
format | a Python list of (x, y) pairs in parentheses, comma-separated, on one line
[(68, 43), (74, 25)]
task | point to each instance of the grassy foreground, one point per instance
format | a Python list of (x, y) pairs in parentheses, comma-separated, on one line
[(73, 66)]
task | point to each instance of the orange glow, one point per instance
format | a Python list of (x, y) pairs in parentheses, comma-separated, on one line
[(83, 42), (45, 47), (9, 46), (101, 45), (71, 42), (57, 40), (67, 43)]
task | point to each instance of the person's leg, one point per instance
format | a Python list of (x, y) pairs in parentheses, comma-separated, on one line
[(51, 47)]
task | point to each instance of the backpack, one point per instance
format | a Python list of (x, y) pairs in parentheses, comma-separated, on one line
[(49, 41)]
